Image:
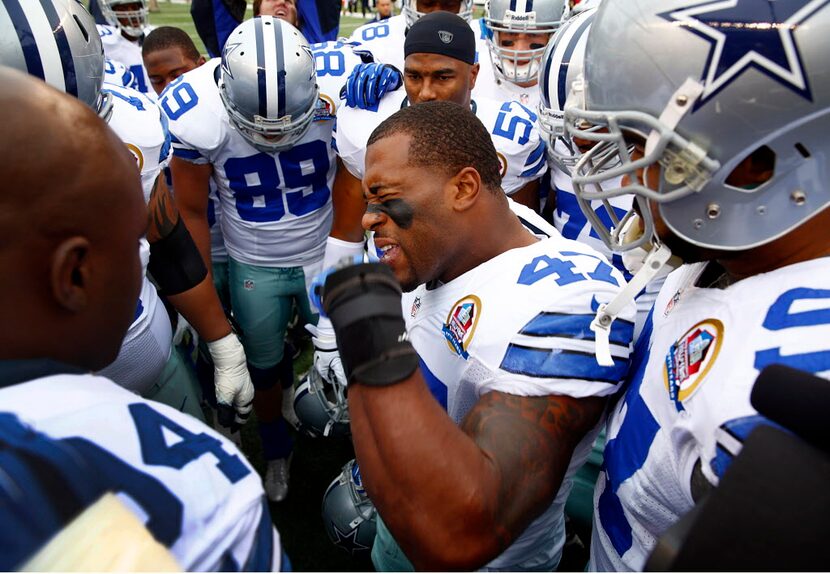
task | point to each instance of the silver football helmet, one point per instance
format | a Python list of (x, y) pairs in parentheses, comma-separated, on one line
[(539, 18), (561, 65), (706, 86), (348, 515), (56, 40), (409, 8), (321, 406), (268, 83), (131, 16)]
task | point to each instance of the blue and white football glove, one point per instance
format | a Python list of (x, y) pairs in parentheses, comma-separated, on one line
[(368, 83)]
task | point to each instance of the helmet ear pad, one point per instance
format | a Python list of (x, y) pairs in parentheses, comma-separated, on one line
[(349, 517)]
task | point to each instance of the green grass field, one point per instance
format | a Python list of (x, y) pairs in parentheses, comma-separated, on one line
[(178, 15)]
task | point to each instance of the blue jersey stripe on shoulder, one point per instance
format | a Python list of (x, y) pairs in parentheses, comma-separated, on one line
[(534, 170), (536, 154), (575, 327), (185, 153), (561, 364), (261, 557)]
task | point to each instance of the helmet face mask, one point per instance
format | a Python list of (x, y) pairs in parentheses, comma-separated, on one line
[(410, 11), (268, 83), (78, 71), (321, 406), (536, 20), (656, 70), (131, 16)]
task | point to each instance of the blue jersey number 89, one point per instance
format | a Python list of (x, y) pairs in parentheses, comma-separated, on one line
[(255, 182)]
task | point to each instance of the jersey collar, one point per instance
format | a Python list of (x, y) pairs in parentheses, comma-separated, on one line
[(16, 371)]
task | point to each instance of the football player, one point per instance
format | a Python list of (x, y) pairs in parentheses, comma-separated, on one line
[(561, 67), (73, 245), (67, 55), (258, 123), (127, 23), (717, 114), (515, 34), (434, 70), (475, 396), (167, 53)]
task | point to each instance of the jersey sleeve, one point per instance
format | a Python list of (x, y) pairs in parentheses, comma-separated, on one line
[(195, 114), (522, 149), (345, 141), (143, 129), (552, 352)]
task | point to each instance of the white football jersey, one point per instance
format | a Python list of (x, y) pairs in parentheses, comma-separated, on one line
[(569, 219), (117, 73), (118, 48), (191, 487), (512, 127), (686, 410), (144, 130), (470, 342), (385, 39), (146, 346), (276, 208)]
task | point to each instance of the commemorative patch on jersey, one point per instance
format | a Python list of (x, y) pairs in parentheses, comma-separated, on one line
[(325, 109), (502, 163), (461, 324), (139, 157), (690, 358)]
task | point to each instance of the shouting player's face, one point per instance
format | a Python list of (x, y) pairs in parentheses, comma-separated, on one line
[(405, 210)]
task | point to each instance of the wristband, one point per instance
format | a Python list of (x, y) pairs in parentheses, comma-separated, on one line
[(364, 305)]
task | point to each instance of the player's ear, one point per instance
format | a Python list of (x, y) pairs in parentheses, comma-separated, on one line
[(474, 74), (465, 187), (70, 273)]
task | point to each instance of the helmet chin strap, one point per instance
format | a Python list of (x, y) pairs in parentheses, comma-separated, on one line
[(654, 263)]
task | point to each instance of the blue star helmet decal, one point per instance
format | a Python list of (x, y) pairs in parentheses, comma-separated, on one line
[(748, 34)]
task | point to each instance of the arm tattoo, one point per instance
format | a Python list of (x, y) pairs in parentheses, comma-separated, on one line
[(163, 212), (529, 441)]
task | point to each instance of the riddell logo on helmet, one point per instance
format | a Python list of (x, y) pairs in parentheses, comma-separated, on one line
[(528, 17)]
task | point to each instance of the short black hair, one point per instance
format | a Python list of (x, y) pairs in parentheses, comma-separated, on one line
[(165, 37), (446, 136)]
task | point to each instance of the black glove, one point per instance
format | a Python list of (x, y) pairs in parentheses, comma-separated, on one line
[(364, 305)]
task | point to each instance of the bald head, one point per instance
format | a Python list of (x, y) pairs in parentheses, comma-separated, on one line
[(71, 214)]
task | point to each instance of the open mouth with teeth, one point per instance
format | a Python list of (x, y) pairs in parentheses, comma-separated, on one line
[(388, 252)]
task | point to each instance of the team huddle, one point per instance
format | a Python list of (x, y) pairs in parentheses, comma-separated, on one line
[(516, 242)]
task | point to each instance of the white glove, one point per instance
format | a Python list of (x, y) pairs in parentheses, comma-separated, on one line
[(326, 356), (234, 389)]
